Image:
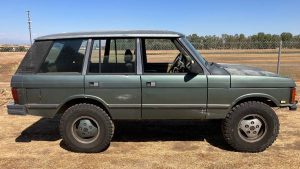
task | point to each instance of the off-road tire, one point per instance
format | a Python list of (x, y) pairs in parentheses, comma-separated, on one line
[(230, 126), (105, 123)]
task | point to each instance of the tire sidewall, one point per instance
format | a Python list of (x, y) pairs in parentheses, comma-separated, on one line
[(264, 111), (85, 110)]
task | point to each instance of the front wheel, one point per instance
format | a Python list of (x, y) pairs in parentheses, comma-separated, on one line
[(251, 127), (86, 128)]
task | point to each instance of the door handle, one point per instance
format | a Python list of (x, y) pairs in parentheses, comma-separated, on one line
[(150, 84), (93, 84)]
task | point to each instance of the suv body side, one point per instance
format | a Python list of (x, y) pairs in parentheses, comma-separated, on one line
[(142, 95)]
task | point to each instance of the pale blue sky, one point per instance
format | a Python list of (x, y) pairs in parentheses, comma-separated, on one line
[(186, 16)]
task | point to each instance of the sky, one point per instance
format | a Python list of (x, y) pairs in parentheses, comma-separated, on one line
[(210, 17)]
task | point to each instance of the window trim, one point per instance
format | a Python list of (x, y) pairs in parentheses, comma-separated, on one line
[(179, 47), (110, 38), (181, 42)]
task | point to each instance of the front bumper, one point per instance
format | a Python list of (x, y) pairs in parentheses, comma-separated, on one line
[(16, 109)]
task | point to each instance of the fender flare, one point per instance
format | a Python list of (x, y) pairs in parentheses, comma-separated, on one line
[(82, 96), (253, 95)]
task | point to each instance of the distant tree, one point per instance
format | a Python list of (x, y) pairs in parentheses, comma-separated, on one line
[(20, 49), (6, 49), (286, 36)]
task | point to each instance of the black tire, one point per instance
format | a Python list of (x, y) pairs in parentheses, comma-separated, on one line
[(238, 139), (98, 117)]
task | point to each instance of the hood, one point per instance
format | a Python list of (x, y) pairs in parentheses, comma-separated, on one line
[(236, 69)]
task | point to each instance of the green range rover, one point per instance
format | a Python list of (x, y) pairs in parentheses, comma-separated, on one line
[(92, 79)]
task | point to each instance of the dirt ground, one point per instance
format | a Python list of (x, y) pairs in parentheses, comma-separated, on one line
[(34, 142)]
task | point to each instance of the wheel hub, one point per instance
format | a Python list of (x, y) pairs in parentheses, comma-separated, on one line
[(86, 129), (252, 128)]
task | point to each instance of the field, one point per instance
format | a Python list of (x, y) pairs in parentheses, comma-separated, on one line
[(34, 142)]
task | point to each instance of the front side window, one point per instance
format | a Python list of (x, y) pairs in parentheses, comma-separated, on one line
[(65, 56), (165, 56), (113, 56)]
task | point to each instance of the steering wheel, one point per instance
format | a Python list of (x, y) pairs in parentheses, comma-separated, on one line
[(177, 65)]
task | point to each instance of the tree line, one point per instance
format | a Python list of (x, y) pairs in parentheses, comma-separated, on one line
[(240, 41), (13, 49)]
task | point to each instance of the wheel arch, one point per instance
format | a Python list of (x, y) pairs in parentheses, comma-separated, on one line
[(83, 99), (261, 97)]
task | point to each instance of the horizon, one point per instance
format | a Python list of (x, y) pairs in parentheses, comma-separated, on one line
[(202, 18)]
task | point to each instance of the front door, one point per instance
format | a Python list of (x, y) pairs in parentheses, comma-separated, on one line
[(169, 91)]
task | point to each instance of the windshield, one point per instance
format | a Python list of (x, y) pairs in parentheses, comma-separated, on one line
[(195, 52)]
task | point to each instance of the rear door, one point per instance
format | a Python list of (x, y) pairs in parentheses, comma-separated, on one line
[(59, 76), (169, 91), (111, 77)]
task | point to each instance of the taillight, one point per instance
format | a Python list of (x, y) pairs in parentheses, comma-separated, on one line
[(15, 96), (293, 95)]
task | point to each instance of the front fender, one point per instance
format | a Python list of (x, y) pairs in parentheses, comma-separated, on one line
[(255, 95)]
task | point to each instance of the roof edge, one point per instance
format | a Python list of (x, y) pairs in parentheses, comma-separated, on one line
[(132, 33)]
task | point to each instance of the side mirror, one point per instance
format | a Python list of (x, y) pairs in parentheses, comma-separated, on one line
[(195, 68)]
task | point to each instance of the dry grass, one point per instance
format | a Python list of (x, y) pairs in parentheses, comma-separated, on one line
[(33, 142)]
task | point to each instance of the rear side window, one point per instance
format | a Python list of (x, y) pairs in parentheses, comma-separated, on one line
[(65, 56), (113, 56), (34, 57)]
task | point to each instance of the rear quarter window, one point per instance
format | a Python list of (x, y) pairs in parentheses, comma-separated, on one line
[(65, 56), (34, 57)]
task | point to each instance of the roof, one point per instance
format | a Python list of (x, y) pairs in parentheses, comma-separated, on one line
[(133, 33)]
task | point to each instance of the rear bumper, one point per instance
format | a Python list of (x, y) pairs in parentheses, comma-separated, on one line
[(16, 109), (293, 107)]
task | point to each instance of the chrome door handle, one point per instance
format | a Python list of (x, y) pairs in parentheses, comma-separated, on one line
[(150, 84), (93, 84)]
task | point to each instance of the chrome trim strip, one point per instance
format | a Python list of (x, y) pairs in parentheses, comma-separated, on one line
[(173, 105), (124, 105), (218, 106), (42, 106)]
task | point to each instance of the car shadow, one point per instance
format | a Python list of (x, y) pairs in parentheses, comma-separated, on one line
[(138, 131)]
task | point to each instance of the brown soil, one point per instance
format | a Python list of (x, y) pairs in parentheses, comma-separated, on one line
[(34, 142)]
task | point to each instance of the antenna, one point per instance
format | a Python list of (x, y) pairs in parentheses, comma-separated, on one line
[(29, 26)]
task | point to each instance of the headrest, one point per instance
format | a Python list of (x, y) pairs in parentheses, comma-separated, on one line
[(128, 56)]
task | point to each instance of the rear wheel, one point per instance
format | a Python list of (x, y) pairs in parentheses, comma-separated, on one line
[(86, 128), (251, 127)]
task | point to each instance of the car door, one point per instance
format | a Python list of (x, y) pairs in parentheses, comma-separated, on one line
[(168, 93), (111, 77)]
